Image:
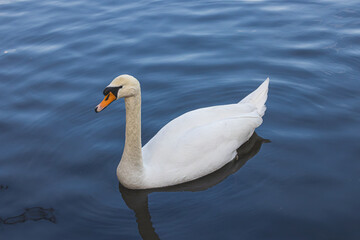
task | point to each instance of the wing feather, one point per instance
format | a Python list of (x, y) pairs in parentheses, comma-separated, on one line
[(202, 140)]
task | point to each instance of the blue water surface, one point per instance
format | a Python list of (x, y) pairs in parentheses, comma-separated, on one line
[(58, 158)]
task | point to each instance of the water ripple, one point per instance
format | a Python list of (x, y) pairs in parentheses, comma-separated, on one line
[(57, 56)]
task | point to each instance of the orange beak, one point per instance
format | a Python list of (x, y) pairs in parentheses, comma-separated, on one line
[(107, 100)]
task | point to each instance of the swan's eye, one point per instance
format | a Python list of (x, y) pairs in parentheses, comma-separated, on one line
[(114, 90)]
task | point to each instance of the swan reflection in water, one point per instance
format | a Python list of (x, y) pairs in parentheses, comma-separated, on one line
[(137, 200)]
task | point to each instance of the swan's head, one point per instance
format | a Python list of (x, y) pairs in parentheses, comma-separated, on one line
[(122, 86)]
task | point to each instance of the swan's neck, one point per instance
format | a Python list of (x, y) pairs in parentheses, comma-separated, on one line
[(131, 165), (132, 149)]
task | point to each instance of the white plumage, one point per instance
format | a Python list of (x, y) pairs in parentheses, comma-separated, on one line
[(193, 145)]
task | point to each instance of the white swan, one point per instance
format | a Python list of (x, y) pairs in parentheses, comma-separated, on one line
[(191, 146)]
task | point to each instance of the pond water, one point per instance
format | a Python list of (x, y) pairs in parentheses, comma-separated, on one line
[(297, 178)]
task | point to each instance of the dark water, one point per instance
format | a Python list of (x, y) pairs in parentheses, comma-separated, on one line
[(58, 158)]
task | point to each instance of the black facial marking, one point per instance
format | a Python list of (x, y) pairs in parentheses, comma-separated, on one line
[(114, 90)]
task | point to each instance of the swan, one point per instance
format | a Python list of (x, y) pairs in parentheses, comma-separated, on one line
[(190, 146)]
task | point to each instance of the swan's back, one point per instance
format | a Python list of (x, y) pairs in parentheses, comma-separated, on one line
[(201, 141)]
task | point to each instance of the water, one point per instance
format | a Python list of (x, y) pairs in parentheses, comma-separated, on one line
[(58, 158)]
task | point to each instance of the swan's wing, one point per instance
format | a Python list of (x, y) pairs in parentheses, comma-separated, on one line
[(207, 148), (202, 148), (179, 126)]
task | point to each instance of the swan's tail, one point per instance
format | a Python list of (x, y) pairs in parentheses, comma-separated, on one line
[(258, 97)]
